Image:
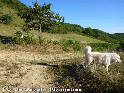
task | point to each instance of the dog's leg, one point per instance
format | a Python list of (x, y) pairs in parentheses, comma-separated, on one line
[(107, 61), (88, 60)]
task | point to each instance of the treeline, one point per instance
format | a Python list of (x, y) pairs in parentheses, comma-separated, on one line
[(65, 28)]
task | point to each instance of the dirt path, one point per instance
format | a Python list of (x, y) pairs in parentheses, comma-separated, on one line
[(16, 71)]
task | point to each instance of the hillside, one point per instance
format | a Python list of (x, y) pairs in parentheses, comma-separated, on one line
[(15, 8), (120, 36), (17, 24)]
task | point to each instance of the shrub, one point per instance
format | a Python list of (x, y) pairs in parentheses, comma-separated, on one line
[(67, 44), (56, 43), (103, 46), (76, 46), (6, 18), (16, 39), (28, 39), (57, 30), (122, 45)]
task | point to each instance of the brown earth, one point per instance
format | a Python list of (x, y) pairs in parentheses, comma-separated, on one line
[(20, 69)]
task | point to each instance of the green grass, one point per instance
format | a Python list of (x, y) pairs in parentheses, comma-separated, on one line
[(8, 30), (15, 25), (17, 21), (71, 36)]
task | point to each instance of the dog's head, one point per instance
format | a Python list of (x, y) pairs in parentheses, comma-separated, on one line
[(87, 49), (116, 58)]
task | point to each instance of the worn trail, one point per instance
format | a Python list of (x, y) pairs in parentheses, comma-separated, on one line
[(16, 70)]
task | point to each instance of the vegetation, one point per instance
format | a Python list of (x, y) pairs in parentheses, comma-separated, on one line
[(104, 46), (14, 4), (40, 17), (65, 28), (33, 17), (73, 75), (122, 46), (95, 33), (67, 44), (5, 18)]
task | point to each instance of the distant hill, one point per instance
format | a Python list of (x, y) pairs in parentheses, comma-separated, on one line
[(119, 34), (95, 33)]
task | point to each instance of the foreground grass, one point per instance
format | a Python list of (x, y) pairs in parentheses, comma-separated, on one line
[(99, 81)]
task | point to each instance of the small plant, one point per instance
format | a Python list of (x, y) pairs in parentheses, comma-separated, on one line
[(6, 18), (17, 38), (75, 45), (56, 42), (28, 39)]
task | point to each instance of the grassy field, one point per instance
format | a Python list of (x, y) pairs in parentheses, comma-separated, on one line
[(71, 36), (7, 30)]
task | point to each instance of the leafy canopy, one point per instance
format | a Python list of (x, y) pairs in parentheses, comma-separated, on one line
[(41, 17)]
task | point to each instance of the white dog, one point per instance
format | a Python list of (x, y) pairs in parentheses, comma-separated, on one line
[(103, 58)]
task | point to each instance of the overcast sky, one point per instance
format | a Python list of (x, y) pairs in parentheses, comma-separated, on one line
[(106, 15)]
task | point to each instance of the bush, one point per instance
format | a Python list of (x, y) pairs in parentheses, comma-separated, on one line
[(59, 30), (67, 44), (77, 46), (6, 18), (122, 45), (103, 46), (27, 39)]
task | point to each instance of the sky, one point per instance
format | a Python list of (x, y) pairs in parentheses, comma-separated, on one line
[(106, 15)]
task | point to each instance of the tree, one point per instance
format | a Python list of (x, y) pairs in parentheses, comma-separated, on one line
[(41, 17)]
